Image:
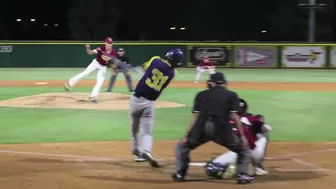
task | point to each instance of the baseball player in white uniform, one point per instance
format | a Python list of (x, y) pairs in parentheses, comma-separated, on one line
[(204, 66), (104, 55)]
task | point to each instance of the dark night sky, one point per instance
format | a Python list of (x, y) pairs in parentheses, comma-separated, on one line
[(224, 20)]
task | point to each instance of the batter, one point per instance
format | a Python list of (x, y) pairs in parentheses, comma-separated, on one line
[(158, 74)]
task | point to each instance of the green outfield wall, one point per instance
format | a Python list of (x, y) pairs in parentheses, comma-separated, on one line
[(239, 55)]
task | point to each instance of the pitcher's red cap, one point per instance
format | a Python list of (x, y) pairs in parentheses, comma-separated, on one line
[(108, 40)]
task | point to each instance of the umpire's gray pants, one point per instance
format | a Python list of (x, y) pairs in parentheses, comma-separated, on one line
[(204, 131)]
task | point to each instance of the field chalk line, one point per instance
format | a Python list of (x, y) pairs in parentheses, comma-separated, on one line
[(317, 168), (80, 158), (300, 154), (299, 170)]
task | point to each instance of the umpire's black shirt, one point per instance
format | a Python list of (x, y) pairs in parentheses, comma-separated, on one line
[(216, 102), (124, 58)]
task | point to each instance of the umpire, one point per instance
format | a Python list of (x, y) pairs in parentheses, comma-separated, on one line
[(210, 122), (122, 56)]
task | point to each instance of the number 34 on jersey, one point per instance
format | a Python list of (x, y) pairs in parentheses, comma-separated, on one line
[(157, 80)]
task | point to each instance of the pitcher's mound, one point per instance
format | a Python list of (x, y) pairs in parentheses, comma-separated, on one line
[(106, 101)]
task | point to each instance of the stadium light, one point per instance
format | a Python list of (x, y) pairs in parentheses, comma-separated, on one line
[(32, 20), (263, 31), (312, 6), (45, 24), (182, 28), (55, 24), (172, 28), (18, 20)]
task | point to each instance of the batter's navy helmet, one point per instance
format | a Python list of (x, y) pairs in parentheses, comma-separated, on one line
[(175, 57)]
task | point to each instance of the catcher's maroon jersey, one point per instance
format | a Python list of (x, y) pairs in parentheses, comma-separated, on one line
[(103, 56), (251, 127)]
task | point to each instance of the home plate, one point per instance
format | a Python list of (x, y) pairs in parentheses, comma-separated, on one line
[(197, 164), (41, 83)]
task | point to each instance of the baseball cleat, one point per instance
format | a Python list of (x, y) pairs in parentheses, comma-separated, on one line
[(108, 90), (93, 100), (195, 81), (260, 171), (178, 178), (67, 87), (148, 156), (244, 179), (137, 157)]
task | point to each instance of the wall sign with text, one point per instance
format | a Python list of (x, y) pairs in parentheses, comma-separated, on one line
[(313, 56), (6, 49), (218, 55), (255, 56)]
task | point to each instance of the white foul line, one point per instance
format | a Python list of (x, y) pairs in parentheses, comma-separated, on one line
[(60, 155), (125, 170), (78, 157), (298, 170), (317, 168), (301, 153)]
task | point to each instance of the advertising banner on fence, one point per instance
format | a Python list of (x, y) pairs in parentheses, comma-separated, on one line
[(333, 57), (303, 57), (218, 55), (255, 56), (5, 55)]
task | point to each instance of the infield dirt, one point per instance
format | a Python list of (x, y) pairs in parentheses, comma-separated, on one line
[(106, 165)]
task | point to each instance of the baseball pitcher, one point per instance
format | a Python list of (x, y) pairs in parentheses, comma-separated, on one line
[(158, 74), (105, 54)]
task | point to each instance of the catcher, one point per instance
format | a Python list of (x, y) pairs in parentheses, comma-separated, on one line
[(256, 132)]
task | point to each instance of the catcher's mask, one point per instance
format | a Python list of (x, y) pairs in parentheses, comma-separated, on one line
[(242, 106)]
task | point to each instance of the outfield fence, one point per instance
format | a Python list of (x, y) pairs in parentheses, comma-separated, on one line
[(230, 55)]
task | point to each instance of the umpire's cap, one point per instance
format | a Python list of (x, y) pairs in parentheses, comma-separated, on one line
[(121, 50), (218, 78)]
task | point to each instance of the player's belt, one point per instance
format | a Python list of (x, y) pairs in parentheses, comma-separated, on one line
[(143, 96)]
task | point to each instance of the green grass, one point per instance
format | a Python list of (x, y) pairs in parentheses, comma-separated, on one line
[(294, 116), (259, 75)]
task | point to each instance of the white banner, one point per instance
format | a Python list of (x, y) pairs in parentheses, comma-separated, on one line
[(303, 56), (333, 57)]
